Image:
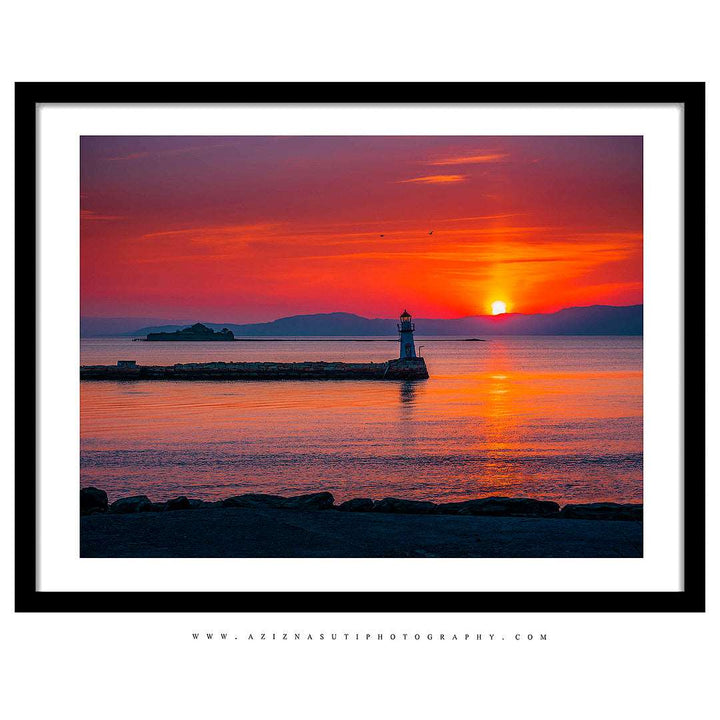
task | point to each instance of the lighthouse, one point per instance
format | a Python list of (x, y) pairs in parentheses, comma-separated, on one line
[(406, 327)]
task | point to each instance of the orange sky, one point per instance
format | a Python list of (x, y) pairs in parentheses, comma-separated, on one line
[(236, 229)]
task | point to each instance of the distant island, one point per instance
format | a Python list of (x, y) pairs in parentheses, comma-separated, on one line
[(194, 332)]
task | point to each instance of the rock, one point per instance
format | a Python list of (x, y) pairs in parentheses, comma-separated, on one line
[(93, 500), (136, 503), (254, 500), (357, 505), (198, 504), (603, 511), (313, 501), (502, 506), (395, 505), (178, 503)]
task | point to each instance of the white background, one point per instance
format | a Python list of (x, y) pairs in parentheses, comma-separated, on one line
[(594, 666), (61, 568)]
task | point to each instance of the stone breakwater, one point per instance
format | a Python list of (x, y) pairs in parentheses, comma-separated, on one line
[(94, 500), (414, 369)]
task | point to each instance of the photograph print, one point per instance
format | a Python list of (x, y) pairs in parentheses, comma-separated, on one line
[(361, 346)]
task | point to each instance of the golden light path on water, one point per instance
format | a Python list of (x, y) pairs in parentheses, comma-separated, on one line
[(547, 417)]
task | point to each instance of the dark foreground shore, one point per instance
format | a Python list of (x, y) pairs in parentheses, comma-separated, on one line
[(312, 526)]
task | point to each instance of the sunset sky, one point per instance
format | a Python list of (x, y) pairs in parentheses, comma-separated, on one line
[(244, 229)]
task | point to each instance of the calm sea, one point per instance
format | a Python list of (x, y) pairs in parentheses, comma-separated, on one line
[(556, 418)]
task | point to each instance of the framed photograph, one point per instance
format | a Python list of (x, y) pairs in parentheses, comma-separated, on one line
[(360, 347)]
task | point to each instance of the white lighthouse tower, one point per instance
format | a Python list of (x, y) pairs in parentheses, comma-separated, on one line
[(406, 327)]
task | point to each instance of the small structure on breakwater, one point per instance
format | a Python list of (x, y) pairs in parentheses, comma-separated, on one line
[(407, 367)]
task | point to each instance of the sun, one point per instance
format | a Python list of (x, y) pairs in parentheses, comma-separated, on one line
[(498, 307)]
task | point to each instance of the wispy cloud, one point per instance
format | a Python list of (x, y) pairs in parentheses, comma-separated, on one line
[(513, 250), (213, 232), (482, 217), (435, 179), (470, 159), (169, 151), (92, 215)]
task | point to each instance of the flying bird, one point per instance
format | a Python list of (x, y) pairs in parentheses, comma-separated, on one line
[(430, 233)]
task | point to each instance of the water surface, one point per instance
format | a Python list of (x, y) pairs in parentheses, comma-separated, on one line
[(556, 418)]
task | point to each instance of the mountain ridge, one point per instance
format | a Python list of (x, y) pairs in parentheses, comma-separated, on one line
[(584, 320)]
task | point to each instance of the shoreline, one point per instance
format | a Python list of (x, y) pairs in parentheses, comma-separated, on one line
[(312, 525), (95, 500)]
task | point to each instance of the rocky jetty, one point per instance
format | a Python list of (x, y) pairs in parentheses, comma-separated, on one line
[(93, 500), (194, 333), (408, 369)]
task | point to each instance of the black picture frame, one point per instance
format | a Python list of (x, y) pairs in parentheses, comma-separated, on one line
[(691, 97)]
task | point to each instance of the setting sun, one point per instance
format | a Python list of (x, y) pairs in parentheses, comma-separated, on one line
[(498, 307)]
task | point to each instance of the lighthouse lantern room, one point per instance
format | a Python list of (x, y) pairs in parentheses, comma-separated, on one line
[(406, 327)]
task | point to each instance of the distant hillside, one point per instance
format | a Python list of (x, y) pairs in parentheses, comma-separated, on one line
[(592, 320), (109, 327)]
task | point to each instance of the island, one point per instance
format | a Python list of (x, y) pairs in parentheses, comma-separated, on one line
[(198, 331)]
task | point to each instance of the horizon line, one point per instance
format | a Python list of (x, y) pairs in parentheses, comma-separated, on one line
[(346, 312)]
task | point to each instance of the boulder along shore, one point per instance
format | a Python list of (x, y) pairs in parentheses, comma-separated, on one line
[(313, 525)]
